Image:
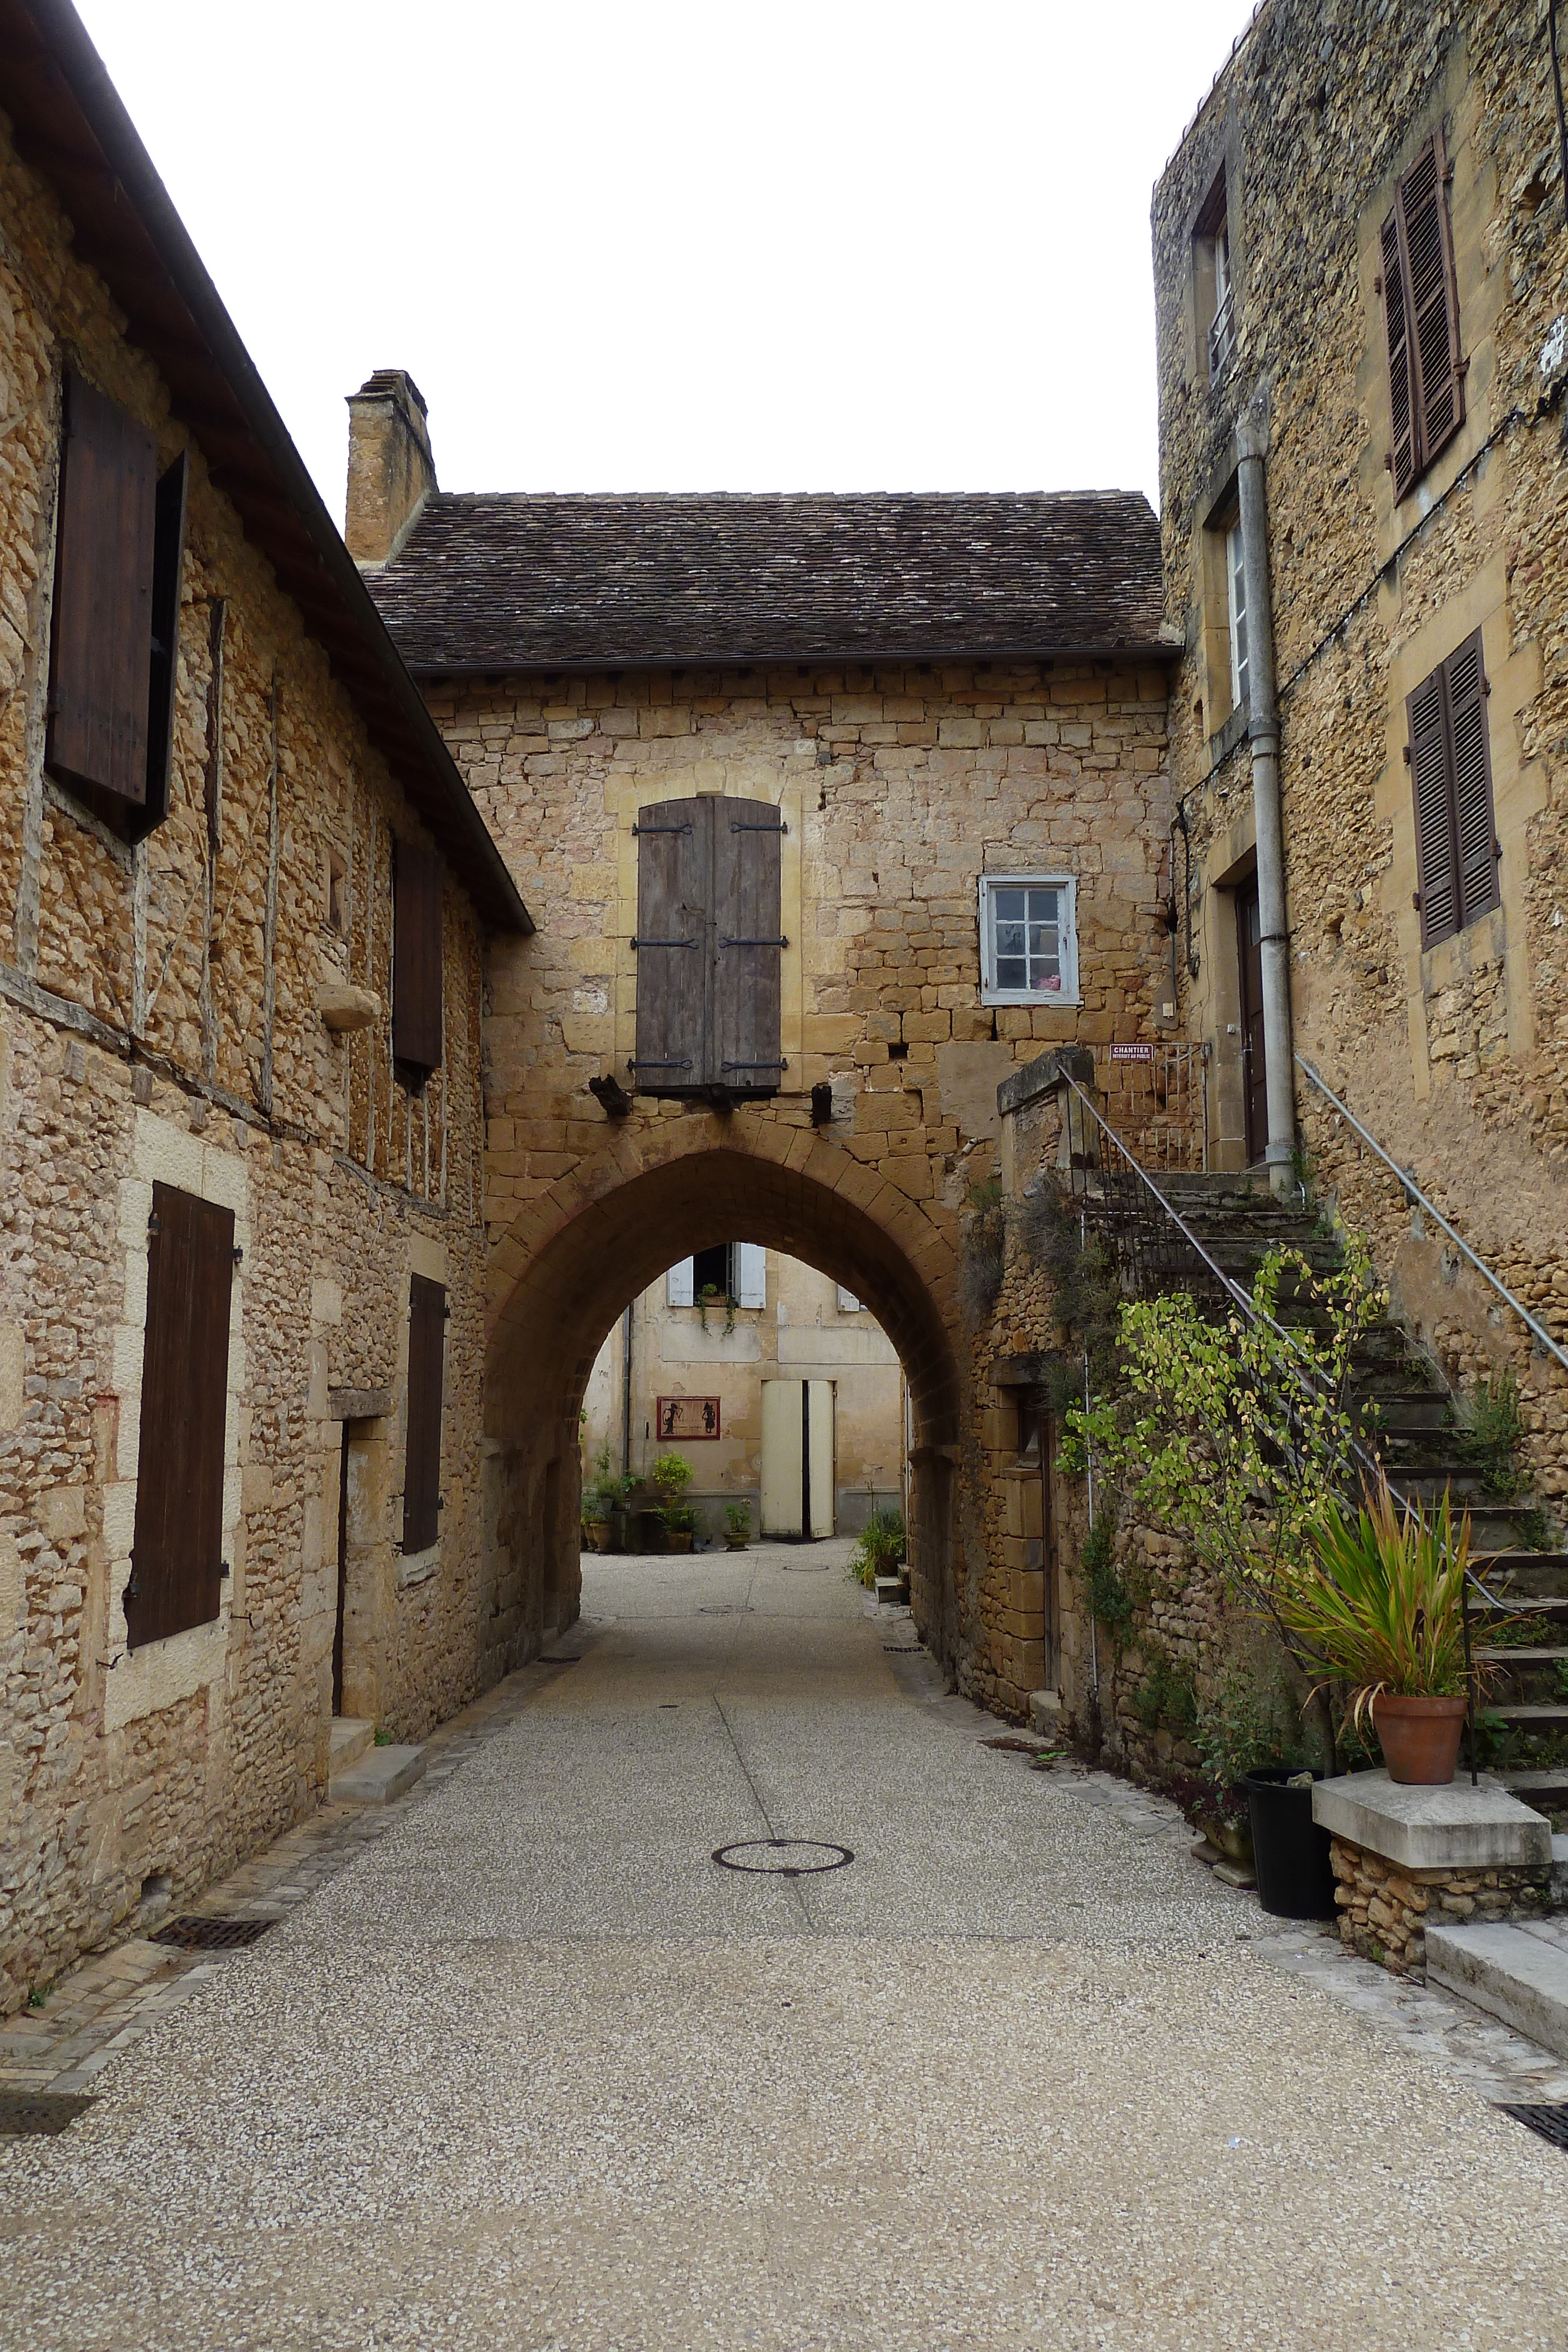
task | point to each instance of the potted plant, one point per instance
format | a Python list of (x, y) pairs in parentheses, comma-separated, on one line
[(599, 1497), (879, 1547), (738, 1524), (1382, 1608), (680, 1526)]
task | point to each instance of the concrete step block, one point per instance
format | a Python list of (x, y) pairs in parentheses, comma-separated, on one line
[(1507, 1971), (378, 1775), (352, 1736)]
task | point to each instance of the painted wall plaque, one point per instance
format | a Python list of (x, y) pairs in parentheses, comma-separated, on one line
[(686, 1417)]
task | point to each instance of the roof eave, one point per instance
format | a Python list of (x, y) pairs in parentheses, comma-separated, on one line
[(126, 227), (1153, 650)]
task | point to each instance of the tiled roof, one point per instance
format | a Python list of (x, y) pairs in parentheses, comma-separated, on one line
[(561, 583)]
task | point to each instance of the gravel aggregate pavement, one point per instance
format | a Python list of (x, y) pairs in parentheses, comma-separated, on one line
[(528, 2067)]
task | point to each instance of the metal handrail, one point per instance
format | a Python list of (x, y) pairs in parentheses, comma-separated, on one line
[(1537, 1330)]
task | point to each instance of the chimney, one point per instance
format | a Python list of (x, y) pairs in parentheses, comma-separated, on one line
[(390, 470)]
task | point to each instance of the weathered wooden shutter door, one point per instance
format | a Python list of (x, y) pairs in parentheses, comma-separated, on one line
[(750, 1275), (101, 641), (673, 901), (417, 880), (747, 898), (422, 1458), (168, 564), (1433, 323), (1474, 824), (1429, 770), (680, 1284), (1401, 383), (177, 1551)]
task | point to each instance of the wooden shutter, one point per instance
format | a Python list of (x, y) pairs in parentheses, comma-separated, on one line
[(1469, 752), (417, 880), (750, 1275), (673, 946), (168, 562), (680, 1284), (176, 1555), (101, 647), (1450, 763), (1421, 308), (744, 1054), (421, 1456)]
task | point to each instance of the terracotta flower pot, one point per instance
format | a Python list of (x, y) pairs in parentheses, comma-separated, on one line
[(1420, 1737)]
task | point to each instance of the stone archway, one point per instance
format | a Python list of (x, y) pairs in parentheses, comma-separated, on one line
[(655, 1193)]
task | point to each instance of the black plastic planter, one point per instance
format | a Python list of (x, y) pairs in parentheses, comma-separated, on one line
[(1290, 1853)]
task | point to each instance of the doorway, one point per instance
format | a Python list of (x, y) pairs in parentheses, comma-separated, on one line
[(1254, 1065), (798, 1473)]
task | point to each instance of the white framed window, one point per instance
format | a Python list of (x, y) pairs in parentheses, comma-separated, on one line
[(1029, 938), (1235, 613)]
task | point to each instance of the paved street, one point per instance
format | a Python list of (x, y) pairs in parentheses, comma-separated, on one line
[(529, 2069)]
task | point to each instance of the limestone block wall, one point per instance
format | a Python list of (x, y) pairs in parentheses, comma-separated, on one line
[(157, 1021), (1456, 1056), (899, 788)]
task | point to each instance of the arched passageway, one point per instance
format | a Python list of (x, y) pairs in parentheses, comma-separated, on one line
[(574, 1258)]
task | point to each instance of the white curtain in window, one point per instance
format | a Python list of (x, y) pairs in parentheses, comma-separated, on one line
[(678, 1285), (750, 1275)]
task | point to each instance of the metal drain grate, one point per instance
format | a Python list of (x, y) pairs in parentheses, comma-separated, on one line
[(197, 1933), (1552, 2123), (901, 1649), (561, 1662), (39, 2114)]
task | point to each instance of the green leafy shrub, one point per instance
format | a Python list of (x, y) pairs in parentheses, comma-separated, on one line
[(1166, 1698), (670, 1476), (738, 1519), (879, 1547), (1113, 1600), (982, 1259)]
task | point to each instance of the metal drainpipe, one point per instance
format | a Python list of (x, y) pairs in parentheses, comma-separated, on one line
[(626, 1390), (1263, 737)]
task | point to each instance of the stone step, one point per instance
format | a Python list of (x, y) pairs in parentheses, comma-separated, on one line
[(1522, 1578), (378, 1775), (1404, 1410), (1544, 1788), (351, 1734), (1520, 1974), (893, 1591)]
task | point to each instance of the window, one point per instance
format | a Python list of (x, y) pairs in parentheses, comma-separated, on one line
[(736, 1270), (1451, 768), (422, 1450), (1421, 316), (1028, 949), (416, 958), (177, 1563), (1236, 612), (708, 946), (1214, 285), (119, 548)]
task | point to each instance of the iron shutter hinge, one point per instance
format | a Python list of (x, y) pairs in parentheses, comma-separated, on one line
[(737, 827), (633, 1064), (638, 830), (777, 1065), (665, 943), (780, 942)]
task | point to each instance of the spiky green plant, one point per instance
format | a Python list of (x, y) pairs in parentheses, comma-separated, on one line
[(1380, 1605)]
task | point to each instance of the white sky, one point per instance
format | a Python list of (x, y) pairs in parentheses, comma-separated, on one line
[(843, 244)]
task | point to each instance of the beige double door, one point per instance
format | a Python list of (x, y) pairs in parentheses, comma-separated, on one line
[(798, 1468)]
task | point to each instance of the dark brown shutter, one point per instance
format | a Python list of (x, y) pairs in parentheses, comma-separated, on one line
[(1451, 762), (1470, 754), (1434, 815), (1421, 305), (672, 944), (422, 1459), (176, 1556), (747, 861), (1401, 386), (416, 957), (168, 560), (101, 640)]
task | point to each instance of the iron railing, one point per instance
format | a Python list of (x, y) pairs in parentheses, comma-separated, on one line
[(1537, 1331), (1156, 1092)]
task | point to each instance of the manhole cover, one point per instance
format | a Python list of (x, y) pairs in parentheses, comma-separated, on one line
[(36, 2114), (1552, 2123), (782, 1857), (195, 1933)]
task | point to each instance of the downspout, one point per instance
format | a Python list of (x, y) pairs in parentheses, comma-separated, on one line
[(1263, 739), (626, 1389)]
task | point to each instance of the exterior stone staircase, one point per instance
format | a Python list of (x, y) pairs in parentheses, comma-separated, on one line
[(360, 1773), (1413, 1423)]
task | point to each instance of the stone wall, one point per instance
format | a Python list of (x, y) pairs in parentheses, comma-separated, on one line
[(1456, 1057), (158, 1020), (899, 788), (1384, 1909)]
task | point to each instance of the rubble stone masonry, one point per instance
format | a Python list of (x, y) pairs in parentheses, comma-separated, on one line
[(1456, 1057), (159, 1020)]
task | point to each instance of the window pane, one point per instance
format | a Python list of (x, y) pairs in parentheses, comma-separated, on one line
[(1012, 972), (1011, 938)]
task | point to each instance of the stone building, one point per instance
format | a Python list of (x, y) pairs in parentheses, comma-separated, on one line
[(831, 810), (703, 1341), (243, 894), (1359, 250)]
